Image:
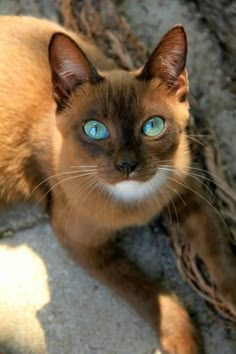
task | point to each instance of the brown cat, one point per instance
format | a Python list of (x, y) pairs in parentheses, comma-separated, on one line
[(107, 152)]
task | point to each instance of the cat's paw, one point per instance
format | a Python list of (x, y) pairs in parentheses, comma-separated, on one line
[(184, 344), (177, 335)]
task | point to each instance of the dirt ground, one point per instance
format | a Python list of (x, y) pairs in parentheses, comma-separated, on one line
[(47, 303)]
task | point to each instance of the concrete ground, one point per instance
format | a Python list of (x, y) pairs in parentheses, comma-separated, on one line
[(47, 303)]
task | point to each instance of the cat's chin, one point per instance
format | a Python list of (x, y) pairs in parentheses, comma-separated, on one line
[(131, 190)]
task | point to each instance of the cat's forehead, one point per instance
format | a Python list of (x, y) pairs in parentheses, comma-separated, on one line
[(121, 85), (124, 92), (119, 94)]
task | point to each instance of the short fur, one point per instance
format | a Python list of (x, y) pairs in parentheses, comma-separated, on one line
[(45, 101)]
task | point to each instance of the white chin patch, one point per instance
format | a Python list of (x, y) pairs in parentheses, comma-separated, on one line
[(133, 190)]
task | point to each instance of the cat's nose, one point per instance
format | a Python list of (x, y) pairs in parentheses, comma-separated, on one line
[(127, 166)]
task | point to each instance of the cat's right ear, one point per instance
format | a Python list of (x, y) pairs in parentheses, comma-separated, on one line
[(168, 60), (70, 67)]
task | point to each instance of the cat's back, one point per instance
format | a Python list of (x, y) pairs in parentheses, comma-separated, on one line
[(25, 77), (25, 95), (24, 68), (24, 41), (25, 98), (24, 44)]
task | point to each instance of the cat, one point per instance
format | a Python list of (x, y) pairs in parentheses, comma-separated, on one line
[(102, 149)]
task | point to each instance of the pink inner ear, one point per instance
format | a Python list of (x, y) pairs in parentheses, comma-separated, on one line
[(71, 62), (69, 65), (70, 70), (168, 60)]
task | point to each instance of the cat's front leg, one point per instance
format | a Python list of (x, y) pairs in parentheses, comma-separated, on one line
[(109, 265), (201, 225)]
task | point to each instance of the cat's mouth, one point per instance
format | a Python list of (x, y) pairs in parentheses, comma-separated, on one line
[(131, 189), (114, 178)]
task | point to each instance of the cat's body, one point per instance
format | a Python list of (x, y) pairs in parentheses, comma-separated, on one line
[(93, 187), (31, 106)]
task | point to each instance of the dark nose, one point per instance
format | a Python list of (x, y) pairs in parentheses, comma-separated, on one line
[(127, 166)]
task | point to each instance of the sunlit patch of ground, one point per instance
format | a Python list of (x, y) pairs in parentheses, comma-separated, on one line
[(23, 291)]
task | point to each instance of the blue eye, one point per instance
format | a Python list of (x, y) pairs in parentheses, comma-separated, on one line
[(96, 130), (153, 126)]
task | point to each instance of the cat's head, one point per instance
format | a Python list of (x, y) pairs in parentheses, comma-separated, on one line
[(123, 132)]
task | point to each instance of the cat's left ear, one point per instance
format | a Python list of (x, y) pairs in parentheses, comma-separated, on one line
[(70, 67), (168, 60)]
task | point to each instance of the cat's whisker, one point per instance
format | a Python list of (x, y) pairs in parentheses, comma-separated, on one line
[(87, 170), (65, 203), (204, 177), (89, 181), (92, 184), (175, 191), (200, 135), (62, 207), (100, 189), (193, 175), (96, 168), (198, 169), (203, 198), (61, 181), (53, 176), (79, 193), (157, 161), (166, 203), (74, 201), (195, 140), (173, 204), (187, 170), (99, 192), (67, 216), (107, 199), (84, 166), (90, 187), (208, 173), (187, 173)]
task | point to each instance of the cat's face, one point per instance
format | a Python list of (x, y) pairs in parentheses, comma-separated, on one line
[(125, 129)]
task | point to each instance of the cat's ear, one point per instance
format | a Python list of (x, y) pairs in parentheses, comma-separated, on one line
[(167, 61), (70, 67)]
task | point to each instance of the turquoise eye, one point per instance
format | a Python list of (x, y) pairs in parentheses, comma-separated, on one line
[(153, 126), (96, 130)]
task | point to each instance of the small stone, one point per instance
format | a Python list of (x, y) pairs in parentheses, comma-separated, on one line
[(7, 233)]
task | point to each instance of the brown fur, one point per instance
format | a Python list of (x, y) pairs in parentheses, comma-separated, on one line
[(42, 139)]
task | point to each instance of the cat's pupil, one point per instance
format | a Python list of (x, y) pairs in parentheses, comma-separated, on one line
[(150, 125), (94, 130)]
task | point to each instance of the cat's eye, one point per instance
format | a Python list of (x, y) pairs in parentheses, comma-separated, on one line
[(153, 126), (96, 130)]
